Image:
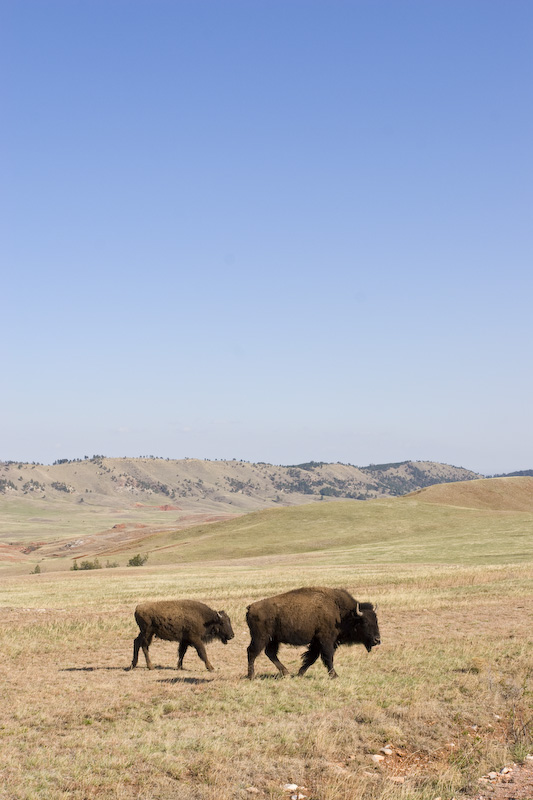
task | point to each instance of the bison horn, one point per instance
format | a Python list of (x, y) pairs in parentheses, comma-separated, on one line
[(358, 612)]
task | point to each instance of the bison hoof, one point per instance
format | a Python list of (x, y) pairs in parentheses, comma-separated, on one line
[(332, 674)]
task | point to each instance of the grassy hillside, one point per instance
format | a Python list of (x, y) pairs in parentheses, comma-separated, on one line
[(496, 494), (401, 530), (468, 526), (78, 498)]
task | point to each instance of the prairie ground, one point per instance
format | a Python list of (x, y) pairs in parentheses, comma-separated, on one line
[(449, 689)]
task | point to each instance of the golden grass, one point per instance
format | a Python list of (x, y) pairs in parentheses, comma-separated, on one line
[(496, 494), (449, 689)]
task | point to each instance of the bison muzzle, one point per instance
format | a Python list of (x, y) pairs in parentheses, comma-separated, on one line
[(319, 617), (188, 622)]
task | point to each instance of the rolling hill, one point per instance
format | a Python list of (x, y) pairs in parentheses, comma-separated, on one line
[(488, 521), (125, 498)]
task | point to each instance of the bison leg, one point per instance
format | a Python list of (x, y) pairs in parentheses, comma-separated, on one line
[(271, 650), (254, 648), (202, 652), (327, 650), (310, 656), (142, 641), (182, 649), (136, 646), (145, 645)]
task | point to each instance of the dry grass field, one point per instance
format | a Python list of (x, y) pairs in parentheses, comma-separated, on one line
[(449, 690)]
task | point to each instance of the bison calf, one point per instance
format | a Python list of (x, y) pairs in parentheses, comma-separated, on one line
[(319, 617), (188, 622)]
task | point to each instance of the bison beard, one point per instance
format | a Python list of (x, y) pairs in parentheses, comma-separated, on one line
[(319, 617), (188, 622)]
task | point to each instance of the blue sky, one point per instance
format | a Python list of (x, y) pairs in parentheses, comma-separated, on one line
[(276, 231)]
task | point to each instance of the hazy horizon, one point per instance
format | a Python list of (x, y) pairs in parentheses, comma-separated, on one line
[(152, 456)]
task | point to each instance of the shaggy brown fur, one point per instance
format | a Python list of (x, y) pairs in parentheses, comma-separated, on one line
[(316, 616), (185, 621)]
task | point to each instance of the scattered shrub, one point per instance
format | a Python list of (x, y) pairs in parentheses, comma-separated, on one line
[(87, 565), (138, 560)]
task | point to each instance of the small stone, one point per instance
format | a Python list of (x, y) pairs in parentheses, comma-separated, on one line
[(529, 758), (492, 776), (386, 751), (377, 759), (505, 771), (290, 787)]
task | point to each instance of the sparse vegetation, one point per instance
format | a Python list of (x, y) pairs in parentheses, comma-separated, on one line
[(138, 560), (87, 564), (60, 487)]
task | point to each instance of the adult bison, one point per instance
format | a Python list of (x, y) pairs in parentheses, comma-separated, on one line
[(316, 616), (188, 622)]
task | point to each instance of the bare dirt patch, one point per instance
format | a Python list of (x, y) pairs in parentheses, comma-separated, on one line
[(511, 783)]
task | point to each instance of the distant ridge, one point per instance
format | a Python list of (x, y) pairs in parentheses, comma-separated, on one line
[(525, 473), (194, 484)]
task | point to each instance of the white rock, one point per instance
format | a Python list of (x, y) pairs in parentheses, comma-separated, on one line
[(377, 759), (492, 776), (290, 787), (386, 751), (505, 771)]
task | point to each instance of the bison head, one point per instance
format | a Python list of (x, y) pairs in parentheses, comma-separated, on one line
[(220, 628), (366, 625)]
